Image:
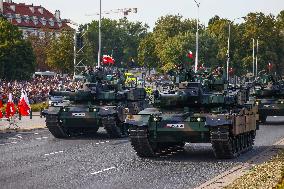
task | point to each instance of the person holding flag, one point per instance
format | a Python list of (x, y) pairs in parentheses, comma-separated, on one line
[(23, 105), (10, 107)]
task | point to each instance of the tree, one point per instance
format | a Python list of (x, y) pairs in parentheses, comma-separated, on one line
[(262, 27), (120, 38), (60, 52), (39, 46), (146, 53), (17, 60)]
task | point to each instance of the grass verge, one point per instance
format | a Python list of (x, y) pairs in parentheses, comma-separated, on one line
[(267, 175)]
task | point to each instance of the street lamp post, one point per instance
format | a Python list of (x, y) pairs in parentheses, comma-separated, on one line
[(253, 66), (100, 36), (256, 66), (228, 51), (197, 28)]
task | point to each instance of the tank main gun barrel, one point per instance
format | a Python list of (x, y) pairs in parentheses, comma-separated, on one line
[(79, 95)]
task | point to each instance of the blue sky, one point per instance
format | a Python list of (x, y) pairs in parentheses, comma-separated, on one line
[(150, 10)]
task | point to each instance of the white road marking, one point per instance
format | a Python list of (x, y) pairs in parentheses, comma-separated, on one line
[(36, 133), (13, 142), (19, 136), (102, 142), (107, 141), (12, 138), (97, 143), (38, 138), (53, 153), (44, 137), (107, 169), (2, 144)]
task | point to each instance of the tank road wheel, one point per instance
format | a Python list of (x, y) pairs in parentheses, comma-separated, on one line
[(114, 128), (53, 126), (139, 139), (227, 147)]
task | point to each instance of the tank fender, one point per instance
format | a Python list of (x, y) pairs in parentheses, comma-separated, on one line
[(52, 111), (215, 121), (107, 110), (137, 120)]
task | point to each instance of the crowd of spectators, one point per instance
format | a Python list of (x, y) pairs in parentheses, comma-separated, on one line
[(37, 88)]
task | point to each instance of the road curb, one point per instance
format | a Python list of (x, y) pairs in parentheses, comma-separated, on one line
[(236, 172), (11, 130)]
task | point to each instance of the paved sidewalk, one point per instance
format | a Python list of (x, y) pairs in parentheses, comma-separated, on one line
[(25, 124)]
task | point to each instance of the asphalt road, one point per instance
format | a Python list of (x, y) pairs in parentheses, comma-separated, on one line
[(37, 160)]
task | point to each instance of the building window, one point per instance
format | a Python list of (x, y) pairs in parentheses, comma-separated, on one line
[(18, 18), (13, 7), (27, 18), (35, 20), (43, 21), (32, 9), (51, 22), (40, 10)]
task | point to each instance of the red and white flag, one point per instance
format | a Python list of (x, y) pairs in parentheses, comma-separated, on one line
[(10, 107), (108, 59), (23, 105)]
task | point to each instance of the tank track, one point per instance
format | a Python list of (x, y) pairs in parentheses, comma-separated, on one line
[(144, 148), (54, 128), (140, 143), (233, 146), (112, 128)]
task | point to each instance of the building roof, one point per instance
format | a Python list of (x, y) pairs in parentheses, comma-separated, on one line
[(31, 16)]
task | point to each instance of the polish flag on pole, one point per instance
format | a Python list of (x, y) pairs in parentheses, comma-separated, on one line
[(108, 59), (10, 108), (23, 105)]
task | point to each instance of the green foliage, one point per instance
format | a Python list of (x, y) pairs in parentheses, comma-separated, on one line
[(119, 38), (60, 52), (146, 55), (17, 60), (39, 45), (39, 106)]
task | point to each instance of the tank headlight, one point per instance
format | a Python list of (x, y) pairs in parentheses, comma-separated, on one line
[(157, 119), (198, 119), (257, 103), (282, 102)]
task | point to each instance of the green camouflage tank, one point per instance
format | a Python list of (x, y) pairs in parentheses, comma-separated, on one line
[(103, 102), (197, 113)]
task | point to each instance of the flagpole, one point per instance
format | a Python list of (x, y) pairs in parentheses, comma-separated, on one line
[(197, 28), (100, 36), (228, 52), (253, 71), (256, 57)]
